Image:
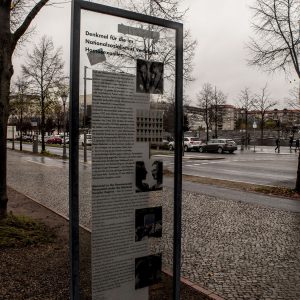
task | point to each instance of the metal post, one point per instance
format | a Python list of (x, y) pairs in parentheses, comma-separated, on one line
[(13, 137), (64, 145), (242, 139), (84, 117), (254, 140), (74, 153), (178, 165), (254, 127)]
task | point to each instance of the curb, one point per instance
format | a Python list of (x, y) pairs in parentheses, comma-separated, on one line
[(203, 158), (202, 291), (57, 213)]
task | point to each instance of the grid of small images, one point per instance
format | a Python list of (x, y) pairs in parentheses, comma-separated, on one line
[(149, 125)]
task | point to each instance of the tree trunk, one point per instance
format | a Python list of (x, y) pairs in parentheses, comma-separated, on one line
[(261, 132), (207, 133), (6, 71)]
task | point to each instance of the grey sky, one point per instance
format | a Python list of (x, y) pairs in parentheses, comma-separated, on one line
[(221, 27)]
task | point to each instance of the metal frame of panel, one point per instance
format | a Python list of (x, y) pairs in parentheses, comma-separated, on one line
[(77, 6)]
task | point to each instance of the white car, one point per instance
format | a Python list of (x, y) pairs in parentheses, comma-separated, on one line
[(88, 139), (190, 143)]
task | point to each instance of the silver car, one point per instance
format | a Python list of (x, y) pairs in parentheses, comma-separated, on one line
[(219, 145)]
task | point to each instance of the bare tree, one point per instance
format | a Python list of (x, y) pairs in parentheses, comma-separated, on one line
[(15, 18), (262, 104), (205, 100), (246, 103), (276, 47), (217, 109), (20, 104), (44, 70), (276, 25)]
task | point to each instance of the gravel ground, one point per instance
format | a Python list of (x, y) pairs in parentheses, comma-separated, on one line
[(238, 250)]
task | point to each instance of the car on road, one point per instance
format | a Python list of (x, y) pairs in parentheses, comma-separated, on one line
[(88, 139), (219, 146), (163, 145), (190, 143), (54, 140), (27, 138)]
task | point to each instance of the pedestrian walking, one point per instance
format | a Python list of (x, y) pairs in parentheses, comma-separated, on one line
[(291, 143), (297, 145), (277, 145)]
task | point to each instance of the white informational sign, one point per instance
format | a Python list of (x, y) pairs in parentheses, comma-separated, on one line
[(11, 132), (122, 177), (254, 125)]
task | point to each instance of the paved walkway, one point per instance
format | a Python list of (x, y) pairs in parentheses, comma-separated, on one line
[(237, 249)]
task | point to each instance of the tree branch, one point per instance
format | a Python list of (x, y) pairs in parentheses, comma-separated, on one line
[(24, 26)]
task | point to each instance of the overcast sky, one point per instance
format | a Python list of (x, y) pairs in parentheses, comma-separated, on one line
[(221, 27)]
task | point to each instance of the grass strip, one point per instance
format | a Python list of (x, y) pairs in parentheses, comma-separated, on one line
[(247, 187), (22, 231)]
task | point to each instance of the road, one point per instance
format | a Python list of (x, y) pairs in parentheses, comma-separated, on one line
[(263, 167), (258, 168)]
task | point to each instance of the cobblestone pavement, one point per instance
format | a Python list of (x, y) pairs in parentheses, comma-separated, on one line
[(238, 250)]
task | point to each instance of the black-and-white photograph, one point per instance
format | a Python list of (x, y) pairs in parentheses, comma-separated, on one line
[(148, 223), (140, 177), (148, 176), (147, 270), (157, 175), (149, 77)]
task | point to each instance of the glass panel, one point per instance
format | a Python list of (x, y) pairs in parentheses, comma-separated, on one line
[(127, 183)]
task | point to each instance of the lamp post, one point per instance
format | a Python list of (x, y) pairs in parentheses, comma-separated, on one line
[(13, 137), (254, 127), (242, 139), (64, 97), (84, 114)]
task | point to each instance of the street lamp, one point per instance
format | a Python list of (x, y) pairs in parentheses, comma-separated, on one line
[(64, 97), (242, 140), (254, 127)]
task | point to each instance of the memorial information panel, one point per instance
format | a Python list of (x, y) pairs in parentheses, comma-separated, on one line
[(126, 77)]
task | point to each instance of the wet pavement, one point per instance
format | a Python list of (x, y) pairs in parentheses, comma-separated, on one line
[(240, 245)]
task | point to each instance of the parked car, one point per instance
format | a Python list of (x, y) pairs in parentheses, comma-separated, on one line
[(27, 138), (61, 135), (163, 144), (88, 139), (218, 145), (54, 140), (46, 137), (190, 143)]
